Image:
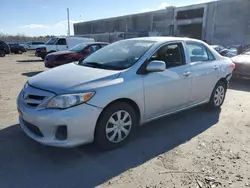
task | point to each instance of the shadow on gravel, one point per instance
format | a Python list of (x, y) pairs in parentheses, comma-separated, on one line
[(29, 61), (25, 163), (240, 84), (30, 74)]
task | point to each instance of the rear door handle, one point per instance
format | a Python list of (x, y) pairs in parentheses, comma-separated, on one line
[(186, 74)]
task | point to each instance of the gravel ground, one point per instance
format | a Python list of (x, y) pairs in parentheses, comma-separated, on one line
[(196, 148)]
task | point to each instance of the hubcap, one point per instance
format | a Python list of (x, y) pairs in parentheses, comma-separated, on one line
[(118, 126), (219, 95)]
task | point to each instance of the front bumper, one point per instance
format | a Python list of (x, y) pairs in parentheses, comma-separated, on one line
[(40, 54), (80, 122), (52, 64)]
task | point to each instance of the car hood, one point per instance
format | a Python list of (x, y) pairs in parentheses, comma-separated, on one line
[(62, 53), (73, 78), (41, 46), (241, 59)]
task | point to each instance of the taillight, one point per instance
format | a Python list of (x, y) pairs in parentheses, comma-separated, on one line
[(233, 65)]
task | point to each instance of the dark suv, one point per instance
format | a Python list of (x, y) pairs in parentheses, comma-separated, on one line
[(17, 48), (4, 48)]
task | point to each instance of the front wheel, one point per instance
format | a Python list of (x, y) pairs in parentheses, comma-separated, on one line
[(218, 96), (20, 52), (115, 126)]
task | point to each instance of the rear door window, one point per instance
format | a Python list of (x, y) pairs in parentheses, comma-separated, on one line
[(199, 52)]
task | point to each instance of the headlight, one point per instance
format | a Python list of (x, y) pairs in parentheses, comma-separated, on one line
[(69, 100)]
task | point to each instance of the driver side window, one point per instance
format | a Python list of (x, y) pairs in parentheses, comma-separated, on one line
[(61, 42), (171, 54)]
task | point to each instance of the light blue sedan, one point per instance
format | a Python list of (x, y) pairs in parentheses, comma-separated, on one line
[(121, 86)]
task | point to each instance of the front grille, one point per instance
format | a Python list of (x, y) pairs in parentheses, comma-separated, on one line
[(34, 129), (32, 104), (32, 100), (35, 98)]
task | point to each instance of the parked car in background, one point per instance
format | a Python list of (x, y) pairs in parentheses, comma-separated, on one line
[(4, 48), (33, 45), (127, 83), (16, 48), (24, 45), (220, 49), (60, 44), (242, 62), (77, 53), (238, 49)]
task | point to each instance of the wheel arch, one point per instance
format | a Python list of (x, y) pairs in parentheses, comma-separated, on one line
[(224, 80), (131, 102), (52, 51)]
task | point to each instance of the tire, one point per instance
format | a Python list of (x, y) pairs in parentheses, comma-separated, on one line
[(2, 53), (19, 51), (218, 95), (105, 129)]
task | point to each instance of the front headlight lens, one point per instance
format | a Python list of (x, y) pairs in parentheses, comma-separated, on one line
[(69, 100)]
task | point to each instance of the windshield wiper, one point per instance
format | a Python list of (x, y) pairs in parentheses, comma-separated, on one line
[(94, 64), (100, 65)]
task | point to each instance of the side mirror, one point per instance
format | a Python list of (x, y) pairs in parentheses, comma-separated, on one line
[(156, 66)]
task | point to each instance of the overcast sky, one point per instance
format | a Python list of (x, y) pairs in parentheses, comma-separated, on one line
[(49, 17)]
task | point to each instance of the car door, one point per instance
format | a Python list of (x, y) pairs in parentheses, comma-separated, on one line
[(205, 71), (168, 90), (61, 44)]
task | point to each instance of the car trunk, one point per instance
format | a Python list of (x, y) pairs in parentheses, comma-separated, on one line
[(242, 69)]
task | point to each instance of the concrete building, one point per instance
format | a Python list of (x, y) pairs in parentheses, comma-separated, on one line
[(222, 22)]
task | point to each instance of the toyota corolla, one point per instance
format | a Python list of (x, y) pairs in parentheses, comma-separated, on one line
[(104, 97)]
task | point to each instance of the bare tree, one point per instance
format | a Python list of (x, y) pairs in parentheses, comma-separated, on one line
[(22, 38)]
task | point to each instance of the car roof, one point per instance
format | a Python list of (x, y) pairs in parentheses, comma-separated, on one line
[(90, 43), (165, 39)]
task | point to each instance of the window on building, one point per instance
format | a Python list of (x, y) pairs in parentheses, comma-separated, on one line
[(190, 14)]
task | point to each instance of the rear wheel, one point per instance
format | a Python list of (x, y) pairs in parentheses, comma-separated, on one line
[(218, 96), (20, 52), (115, 126), (2, 53)]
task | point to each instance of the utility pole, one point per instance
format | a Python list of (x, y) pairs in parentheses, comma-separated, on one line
[(68, 22)]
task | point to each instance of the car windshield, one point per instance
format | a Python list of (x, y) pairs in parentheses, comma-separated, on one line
[(119, 55), (51, 41), (78, 48)]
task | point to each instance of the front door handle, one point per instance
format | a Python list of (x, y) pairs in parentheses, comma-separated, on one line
[(186, 74), (215, 67)]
